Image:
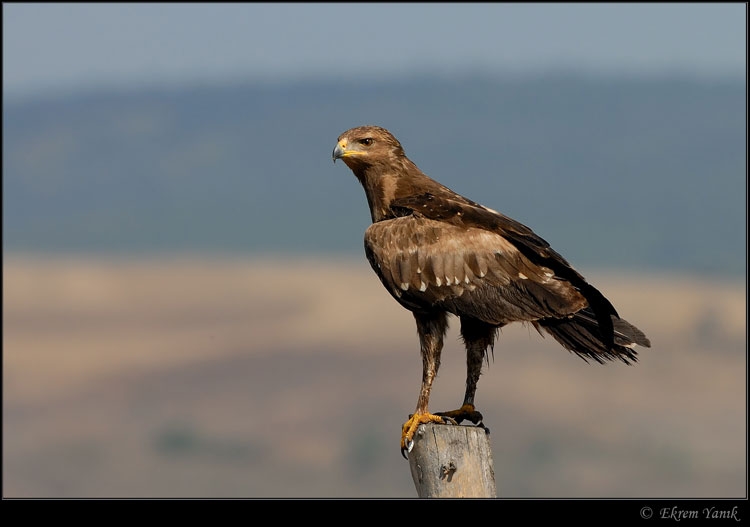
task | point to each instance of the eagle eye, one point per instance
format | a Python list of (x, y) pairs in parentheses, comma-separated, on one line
[(367, 141)]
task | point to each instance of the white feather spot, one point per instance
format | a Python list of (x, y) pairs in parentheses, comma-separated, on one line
[(447, 280), (422, 286), (522, 276), (466, 279), (404, 286), (481, 274), (437, 281)]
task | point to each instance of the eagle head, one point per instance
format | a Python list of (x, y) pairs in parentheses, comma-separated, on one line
[(366, 145)]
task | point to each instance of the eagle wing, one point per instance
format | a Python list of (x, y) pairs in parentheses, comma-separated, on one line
[(450, 208), (428, 263)]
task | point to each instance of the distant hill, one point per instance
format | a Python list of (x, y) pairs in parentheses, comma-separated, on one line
[(627, 173)]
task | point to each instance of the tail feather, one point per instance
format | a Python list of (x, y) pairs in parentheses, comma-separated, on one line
[(581, 334)]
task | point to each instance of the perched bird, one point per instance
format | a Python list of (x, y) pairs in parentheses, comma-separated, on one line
[(439, 253)]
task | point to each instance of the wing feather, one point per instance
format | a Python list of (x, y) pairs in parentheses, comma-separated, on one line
[(437, 267), (448, 267), (403, 262)]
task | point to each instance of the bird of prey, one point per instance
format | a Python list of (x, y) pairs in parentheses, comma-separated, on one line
[(439, 253)]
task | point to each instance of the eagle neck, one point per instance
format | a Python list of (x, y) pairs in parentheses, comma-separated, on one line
[(386, 182), (380, 189)]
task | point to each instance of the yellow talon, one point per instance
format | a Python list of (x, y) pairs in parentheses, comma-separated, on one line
[(411, 425)]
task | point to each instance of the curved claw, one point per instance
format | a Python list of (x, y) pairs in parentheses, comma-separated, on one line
[(407, 449)]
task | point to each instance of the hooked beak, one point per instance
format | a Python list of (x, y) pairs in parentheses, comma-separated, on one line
[(339, 151), (344, 149)]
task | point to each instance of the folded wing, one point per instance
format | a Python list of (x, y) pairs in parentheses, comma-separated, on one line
[(427, 263)]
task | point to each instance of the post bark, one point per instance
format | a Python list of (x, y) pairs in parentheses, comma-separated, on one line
[(452, 462)]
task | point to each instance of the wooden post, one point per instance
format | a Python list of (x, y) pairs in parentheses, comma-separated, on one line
[(452, 462)]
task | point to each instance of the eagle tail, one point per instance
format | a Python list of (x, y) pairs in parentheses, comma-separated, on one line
[(581, 334)]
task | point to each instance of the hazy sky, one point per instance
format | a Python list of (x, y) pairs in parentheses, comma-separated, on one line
[(57, 47)]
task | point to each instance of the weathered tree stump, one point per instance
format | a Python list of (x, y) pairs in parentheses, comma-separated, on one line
[(452, 462)]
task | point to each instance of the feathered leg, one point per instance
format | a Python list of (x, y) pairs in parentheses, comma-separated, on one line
[(431, 328), (478, 337)]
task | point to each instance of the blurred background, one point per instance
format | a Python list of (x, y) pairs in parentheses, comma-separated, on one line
[(187, 309)]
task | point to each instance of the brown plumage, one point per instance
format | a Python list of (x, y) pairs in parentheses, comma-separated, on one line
[(439, 253)]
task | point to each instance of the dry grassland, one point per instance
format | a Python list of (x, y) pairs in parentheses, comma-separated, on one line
[(291, 377)]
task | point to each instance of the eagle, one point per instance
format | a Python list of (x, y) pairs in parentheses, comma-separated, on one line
[(439, 254)]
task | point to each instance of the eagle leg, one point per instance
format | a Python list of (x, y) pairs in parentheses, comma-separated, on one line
[(431, 328), (478, 337)]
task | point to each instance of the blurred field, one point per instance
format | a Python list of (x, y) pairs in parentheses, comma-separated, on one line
[(291, 377)]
